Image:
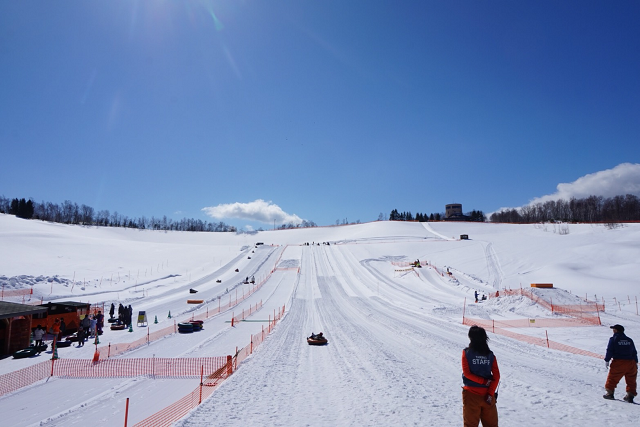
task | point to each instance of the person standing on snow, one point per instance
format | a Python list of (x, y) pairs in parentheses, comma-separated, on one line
[(99, 322), (55, 330), (86, 325), (476, 295), (93, 328), (480, 376), (38, 334), (81, 334), (625, 363)]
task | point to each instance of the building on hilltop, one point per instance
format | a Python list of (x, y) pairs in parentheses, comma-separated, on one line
[(453, 212)]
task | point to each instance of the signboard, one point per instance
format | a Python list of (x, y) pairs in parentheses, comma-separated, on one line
[(142, 318)]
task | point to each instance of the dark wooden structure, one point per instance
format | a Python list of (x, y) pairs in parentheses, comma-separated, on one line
[(15, 325)]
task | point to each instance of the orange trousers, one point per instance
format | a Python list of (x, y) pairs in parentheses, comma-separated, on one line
[(475, 410), (623, 368)]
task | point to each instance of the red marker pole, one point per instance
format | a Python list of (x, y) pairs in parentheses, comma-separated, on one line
[(126, 413)]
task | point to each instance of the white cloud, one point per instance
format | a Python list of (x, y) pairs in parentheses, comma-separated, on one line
[(622, 179), (258, 210)]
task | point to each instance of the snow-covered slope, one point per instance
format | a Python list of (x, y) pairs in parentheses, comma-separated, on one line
[(395, 335)]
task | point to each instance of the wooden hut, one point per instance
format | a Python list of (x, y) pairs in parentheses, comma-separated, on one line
[(15, 325)]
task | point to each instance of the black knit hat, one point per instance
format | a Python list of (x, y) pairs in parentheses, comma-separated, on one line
[(618, 328)]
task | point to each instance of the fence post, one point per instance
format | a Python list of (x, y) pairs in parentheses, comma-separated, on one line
[(493, 326), (545, 332), (201, 376), (464, 307), (126, 413), (229, 365)]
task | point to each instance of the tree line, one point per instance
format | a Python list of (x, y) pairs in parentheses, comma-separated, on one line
[(71, 213), (590, 209), (474, 215)]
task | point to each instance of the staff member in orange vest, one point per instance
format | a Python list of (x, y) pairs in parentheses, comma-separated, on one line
[(624, 364), (56, 329), (480, 376)]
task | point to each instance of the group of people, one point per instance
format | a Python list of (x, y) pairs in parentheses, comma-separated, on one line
[(484, 297), (481, 375), (88, 327), (125, 314)]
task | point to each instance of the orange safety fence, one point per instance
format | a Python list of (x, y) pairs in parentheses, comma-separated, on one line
[(179, 409), (154, 367), (257, 339), (408, 263), (111, 368), (241, 316), (13, 381), (534, 323), (14, 292), (542, 342), (586, 309)]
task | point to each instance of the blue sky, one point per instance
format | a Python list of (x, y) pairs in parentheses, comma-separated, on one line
[(324, 110)]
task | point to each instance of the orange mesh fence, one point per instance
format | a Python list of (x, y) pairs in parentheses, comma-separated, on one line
[(535, 323), (179, 409), (16, 380), (111, 368), (246, 313), (258, 338), (586, 309), (155, 367), (6, 293), (542, 342)]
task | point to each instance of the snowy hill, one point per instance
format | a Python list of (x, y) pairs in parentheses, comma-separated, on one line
[(395, 333)]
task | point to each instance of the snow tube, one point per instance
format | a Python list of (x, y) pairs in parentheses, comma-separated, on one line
[(40, 348), (185, 328), (118, 327), (25, 352), (317, 341), (64, 343), (197, 324), (195, 301), (193, 291)]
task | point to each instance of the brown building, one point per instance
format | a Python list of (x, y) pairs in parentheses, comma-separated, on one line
[(453, 210), (15, 325)]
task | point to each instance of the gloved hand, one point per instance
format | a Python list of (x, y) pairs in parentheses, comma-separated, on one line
[(488, 399), (607, 364)]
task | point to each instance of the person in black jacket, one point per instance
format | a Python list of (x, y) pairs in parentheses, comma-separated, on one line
[(625, 363)]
